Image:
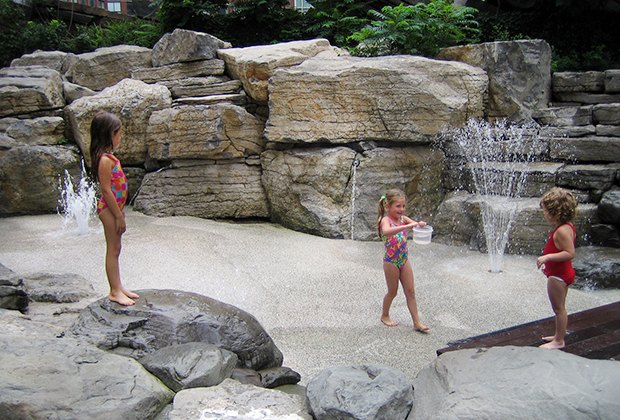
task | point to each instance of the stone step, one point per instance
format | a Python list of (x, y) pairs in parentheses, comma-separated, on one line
[(564, 116), (585, 149), (240, 99)]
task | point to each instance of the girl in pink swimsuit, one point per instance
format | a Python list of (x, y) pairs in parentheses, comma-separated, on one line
[(559, 208), (105, 135), (392, 225)]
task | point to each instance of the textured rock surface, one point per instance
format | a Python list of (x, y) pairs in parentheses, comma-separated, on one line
[(29, 89), (35, 131), (184, 46), (351, 99), (222, 190), (519, 74), (133, 102), (506, 382), (359, 392), (107, 66), (597, 267), (162, 318)]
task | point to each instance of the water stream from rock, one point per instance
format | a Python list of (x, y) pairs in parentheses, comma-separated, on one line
[(496, 156), (354, 166), (77, 204)]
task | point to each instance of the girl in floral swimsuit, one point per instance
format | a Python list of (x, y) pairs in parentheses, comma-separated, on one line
[(392, 225), (105, 135)]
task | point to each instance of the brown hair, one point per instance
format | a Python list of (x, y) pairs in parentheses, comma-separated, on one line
[(560, 204), (389, 198), (102, 129)]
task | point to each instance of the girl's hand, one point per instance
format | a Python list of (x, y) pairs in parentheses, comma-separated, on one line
[(421, 223), (120, 225), (540, 261)]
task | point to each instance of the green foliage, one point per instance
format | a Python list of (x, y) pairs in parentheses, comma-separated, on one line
[(422, 29), (337, 20), (199, 15), (598, 58)]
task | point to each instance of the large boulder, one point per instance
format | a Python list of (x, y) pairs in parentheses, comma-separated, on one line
[(352, 99), (233, 400), (161, 318), (29, 177), (255, 65), (176, 71), (182, 46), (30, 89), (35, 131), (220, 131), (517, 383), (46, 375), (133, 102), (55, 60), (359, 392), (597, 268), (334, 192), (12, 293), (609, 207), (107, 66), (228, 189), (519, 74)]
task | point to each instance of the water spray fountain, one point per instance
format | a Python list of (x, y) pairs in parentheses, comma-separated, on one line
[(354, 166), (497, 155), (77, 205)]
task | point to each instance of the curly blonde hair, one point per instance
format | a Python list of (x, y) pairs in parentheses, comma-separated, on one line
[(560, 204)]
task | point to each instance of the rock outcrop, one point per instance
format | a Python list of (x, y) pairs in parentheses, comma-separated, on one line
[(25, 90)]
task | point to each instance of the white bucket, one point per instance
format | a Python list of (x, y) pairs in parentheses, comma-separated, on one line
[(422, 235)]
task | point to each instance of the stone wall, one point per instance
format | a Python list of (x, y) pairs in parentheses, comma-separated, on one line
[(299, 133)]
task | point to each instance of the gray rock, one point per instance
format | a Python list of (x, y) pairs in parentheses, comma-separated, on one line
[(162, 318), (107, 66), (202, 86), (12, 293), (275, 377), (57, 288), (359, 392), (190, 365), (178, 71), (29, 181), (587, 81), (73, 92), (564, 116), (247, 376), (47, 377), (606, 114), (36, 131), (612, 81), (585, 149), (587, 177), (55, 60), (519, 74), (231, 400), (516, 383), (597, 267), (26, 90), (609, 207), (226, 190), (183, 45)]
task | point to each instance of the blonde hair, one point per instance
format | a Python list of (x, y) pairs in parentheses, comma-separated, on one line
[(560, 204), (389, 198)]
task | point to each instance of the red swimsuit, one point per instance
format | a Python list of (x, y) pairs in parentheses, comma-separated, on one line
[(561, 269)]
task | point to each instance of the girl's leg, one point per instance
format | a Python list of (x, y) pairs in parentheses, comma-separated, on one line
[(113, 252), (392, 273), (557, 290), (406, 279)]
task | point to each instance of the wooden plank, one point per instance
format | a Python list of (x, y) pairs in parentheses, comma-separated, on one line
[(591, 332)]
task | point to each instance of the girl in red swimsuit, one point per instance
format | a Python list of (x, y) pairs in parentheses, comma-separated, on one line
[(559, 208), (105, 135), (392, 225)]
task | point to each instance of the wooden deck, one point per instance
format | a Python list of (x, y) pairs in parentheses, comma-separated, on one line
[(594, 334)]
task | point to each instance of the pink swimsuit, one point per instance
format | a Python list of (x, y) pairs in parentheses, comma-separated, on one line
[(119, 186)]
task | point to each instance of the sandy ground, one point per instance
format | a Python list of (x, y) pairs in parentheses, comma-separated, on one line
[(319, 299)]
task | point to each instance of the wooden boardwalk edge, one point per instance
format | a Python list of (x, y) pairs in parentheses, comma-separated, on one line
[(593, 333)]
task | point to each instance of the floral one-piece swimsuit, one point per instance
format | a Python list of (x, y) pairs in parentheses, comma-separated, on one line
[(395, 247)]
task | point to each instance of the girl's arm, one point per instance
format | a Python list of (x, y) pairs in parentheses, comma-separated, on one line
[(565, 241), (411, 221), (388, 230), (105, 185)]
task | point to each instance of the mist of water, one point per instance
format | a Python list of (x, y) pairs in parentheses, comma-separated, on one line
[(497, 155), (77, 203)]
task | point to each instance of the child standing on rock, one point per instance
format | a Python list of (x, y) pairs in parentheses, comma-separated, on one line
[(559, 208), (105, 136), (392, 225)]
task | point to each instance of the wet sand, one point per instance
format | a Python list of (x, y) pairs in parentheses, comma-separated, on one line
[(319, 299)]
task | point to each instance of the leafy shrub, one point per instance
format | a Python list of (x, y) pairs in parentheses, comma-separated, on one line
[(336, 21), (422, 29)]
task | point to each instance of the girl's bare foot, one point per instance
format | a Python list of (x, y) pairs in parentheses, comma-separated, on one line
[(121, 299), (389, 322), (131, 294), (553, 345), (549, 338), (421, 328)]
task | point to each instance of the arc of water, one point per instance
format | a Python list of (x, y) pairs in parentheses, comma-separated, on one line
[(354, 166)]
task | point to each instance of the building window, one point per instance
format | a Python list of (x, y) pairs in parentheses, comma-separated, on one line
[(302, 5), (114, 6)]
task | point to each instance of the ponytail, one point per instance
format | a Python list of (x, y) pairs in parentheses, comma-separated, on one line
[(381, 213)]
